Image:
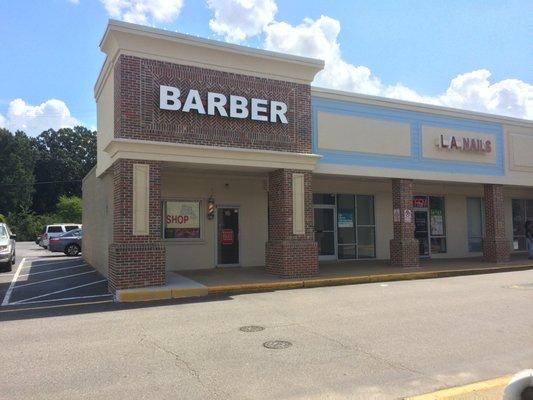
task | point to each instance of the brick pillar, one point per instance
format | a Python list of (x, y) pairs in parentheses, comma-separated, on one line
[(290, 254), (403, 247), (496, 247), (135, 260)]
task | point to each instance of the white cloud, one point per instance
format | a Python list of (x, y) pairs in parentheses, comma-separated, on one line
[(237, 20), (33, 120), (143, 11), (318, 39)]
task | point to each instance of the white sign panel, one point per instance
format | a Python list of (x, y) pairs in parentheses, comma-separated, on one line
[(170, 98)]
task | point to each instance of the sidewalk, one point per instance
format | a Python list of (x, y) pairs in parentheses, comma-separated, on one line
[(232, 280)]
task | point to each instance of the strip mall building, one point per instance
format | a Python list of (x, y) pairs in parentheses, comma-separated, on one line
[(212, 155)]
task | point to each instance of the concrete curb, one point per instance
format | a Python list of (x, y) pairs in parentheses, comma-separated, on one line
[(184, 291), (473, 390), (356, 280)]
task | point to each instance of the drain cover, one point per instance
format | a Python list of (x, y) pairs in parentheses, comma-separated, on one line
[(277, 344), (251, 328)]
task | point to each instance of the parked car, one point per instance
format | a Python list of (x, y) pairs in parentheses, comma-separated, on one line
[(68, 243), (7, 247), (56, 230)]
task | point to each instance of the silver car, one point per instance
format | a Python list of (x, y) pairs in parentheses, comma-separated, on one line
[(68, 243), (7, 248)]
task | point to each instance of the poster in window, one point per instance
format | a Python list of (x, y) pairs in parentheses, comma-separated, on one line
[(182, 219), (345, 220), (437, 222)]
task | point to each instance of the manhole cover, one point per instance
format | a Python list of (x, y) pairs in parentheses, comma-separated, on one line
[(277, 344), (251, 328)]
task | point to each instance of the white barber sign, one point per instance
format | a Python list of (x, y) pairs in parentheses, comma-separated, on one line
[(217, 103)]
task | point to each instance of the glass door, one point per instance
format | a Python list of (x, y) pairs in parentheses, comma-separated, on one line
[(422, 232), (228, 236), (325, 232)]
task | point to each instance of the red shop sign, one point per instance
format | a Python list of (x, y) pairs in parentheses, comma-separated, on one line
[(227, 237), (420, 202)]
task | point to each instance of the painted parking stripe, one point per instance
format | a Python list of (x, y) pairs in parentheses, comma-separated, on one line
[(47, 307), (58, 291), (55, 279), (51, 262), (54, 270), (5, 302), (68, 298)]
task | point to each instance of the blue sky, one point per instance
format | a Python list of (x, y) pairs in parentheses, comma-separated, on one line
[(472, 54)]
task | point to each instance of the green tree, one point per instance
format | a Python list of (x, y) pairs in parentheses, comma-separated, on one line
[(69, 209), (27, 225), (65, 157), (17, 164)]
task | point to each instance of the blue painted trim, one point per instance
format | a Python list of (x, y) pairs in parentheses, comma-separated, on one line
[(416, 120)]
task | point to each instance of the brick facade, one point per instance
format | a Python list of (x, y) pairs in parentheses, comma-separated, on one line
[(135, 260), (138, 116), (289, 255), (496, 246), (404, 248)]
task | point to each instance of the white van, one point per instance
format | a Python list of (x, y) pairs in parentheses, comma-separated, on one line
[(56, 230)]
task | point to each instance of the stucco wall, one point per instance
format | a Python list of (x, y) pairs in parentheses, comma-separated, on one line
[(97, 219), (247, 193)]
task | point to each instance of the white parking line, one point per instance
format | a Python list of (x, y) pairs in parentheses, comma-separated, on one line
[(57, 291), (5, 302), (54, 270), (55, 279), (51, 262), (68, 298)]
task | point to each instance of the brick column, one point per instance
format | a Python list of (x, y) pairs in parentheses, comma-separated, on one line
[(290, 255), (135, 260), (496, 247), (403, 247)]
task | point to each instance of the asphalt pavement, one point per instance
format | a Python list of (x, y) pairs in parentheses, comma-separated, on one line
[(40, 277), (372, 341)]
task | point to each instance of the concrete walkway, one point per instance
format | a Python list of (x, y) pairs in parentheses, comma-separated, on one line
[(346, 272), (232, 280)]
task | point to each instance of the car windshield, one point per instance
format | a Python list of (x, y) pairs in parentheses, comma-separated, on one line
[(3, 231)]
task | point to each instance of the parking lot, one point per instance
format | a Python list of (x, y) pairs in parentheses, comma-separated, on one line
[(40, 277)]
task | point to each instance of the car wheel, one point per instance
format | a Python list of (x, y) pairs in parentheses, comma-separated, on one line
[(6, 267), (13, 259), (72, 250)]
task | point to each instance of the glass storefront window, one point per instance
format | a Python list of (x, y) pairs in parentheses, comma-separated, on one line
[(323, 198), (365, 210), (475, 219), (365, 242), (522, 212), (181, 219), (355, 225), (345, 219)]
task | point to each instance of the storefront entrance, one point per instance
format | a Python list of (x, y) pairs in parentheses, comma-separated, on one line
[(325, 232), (422, 232), (228, 236), (429, 224)]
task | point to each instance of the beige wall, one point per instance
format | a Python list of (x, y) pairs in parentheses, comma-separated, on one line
[(336, 131), (97, 219), (364, 135), (247, 192), (431, 135), (105, 124)]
